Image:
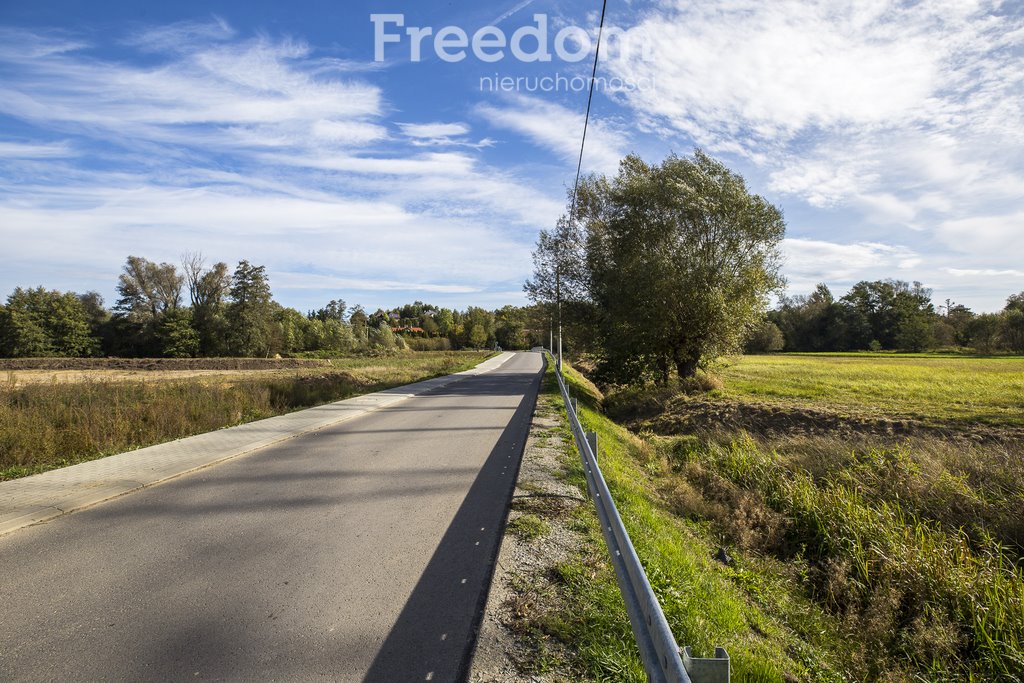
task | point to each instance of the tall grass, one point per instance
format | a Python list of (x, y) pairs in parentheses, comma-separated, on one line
[(44, 426), (929, 600)]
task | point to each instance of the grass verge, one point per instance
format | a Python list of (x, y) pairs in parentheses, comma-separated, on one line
[(752, 606), (46, 426)]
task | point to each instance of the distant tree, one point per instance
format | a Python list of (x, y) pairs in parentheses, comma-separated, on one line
[(40, 322), (984, 332), (148, 289), (249, 313), (510, 327), (289, 331), (382, 339), (445, 320), (476, 317), (99, 320), (338, 337), (477, 336), (378, 317), (177, 337), (334, 310), (359, 321), (765, 338), (900, 314), (208, 291), (430, 326), (1011, 332)]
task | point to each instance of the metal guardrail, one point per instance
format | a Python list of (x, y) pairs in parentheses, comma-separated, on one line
[(658, 649)]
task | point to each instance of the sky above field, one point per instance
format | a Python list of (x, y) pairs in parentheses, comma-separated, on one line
[(360, 157)]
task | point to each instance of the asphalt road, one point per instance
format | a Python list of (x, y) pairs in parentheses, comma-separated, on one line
[(361, 552)]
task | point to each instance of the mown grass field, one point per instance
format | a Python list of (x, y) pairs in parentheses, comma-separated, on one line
[(856, 555), (78, 415), (932, 388)]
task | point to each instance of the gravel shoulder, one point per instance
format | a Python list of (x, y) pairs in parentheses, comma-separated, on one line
[(510, 646)]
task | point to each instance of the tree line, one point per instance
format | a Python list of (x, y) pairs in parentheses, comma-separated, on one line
[(195, 309), (886, 315)]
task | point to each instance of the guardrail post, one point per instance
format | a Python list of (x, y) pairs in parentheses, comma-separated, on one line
[(707, 670), (592, 440)]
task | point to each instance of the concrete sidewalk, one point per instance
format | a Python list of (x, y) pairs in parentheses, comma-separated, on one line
[(43, 497)]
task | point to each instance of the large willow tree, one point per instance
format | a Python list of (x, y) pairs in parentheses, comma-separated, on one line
[(675, 263)]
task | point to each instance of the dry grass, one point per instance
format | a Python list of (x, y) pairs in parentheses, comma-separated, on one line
[(49, 425)]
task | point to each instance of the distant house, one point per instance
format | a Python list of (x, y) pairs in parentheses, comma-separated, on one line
[(409, 330)]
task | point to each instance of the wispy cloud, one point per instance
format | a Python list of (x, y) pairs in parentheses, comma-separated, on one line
[(809, 262), (558, 129), (241, 93), (22, 150), (984, 272)]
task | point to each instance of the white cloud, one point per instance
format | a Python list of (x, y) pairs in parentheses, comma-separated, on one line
[(257, 92), (984, 272), (559, 129), (363, 240), (891, 115), (997, 238), (434, 130), (810, 261), (763, 73), (22, 150), (441, 135), (180, 35), (287, 280), (356, 133)]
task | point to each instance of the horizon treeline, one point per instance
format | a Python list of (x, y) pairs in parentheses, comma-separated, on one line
[(886, 315), (196, 310)]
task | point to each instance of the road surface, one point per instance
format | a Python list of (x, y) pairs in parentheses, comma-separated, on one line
[(361, 552)]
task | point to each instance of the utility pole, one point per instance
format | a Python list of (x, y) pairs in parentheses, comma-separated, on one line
[(558, 298)]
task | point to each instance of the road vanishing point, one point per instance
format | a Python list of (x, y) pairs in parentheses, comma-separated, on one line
[(360, 551)]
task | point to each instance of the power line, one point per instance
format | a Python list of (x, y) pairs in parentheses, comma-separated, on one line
[(586, 120)]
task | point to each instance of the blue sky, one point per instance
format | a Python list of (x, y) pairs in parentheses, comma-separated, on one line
[(890, 133)]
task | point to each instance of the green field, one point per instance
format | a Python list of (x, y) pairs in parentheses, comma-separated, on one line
[(932, 388)]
